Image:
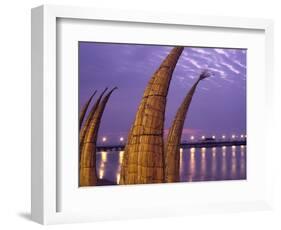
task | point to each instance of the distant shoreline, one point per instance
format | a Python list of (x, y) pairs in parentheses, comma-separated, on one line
[(201, 144)]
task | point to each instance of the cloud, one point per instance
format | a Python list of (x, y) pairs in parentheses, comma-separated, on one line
[(239, 64), (219, 71), (230, 67), (180, 78), (204, 88), (225, 64), (192, 62), (221, 51), (161, 56), (200, 51), (229, 80)]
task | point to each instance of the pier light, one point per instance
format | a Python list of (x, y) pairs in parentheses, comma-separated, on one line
[(192, 138), (242, 136), (223, 136), (214, 137), (233, 136), (118, 178), (121, 156), (203, 151), (104, 139), (103, 156), (121, 138), (101, 173), (203, 137)]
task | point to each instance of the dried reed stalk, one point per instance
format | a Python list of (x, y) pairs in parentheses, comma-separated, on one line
[(88, 174), (144, 152), (88, 121), (172, 146), (84, 110)]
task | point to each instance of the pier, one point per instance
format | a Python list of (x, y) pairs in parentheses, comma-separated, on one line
[(189, 145)]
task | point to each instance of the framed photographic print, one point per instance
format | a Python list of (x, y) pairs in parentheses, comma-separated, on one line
[(137, 114), (151, 143)]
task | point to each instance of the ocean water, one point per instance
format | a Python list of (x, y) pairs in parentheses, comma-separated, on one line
[(196, 164)]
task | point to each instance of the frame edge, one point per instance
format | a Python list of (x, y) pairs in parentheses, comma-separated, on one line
[(37, 162), (40, 16)]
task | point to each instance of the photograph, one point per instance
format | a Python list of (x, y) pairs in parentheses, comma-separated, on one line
[(157, 113)]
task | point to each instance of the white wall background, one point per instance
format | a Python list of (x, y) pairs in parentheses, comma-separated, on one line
[(15, 112)]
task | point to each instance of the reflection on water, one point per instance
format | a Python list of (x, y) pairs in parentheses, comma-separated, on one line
[(243, 162), (192, 164), (223, 162), (214, 163), (203, 164), (200, 164), (233, 162), (181, 152)]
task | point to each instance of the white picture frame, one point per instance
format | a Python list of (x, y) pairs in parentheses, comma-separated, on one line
[(45, 207)]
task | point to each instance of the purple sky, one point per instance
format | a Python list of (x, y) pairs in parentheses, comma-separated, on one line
[(218, 106)]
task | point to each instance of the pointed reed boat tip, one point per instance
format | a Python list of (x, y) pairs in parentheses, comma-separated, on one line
[(88, 174), (103, 92), (84, 109), (205, 74), (90, 116), (93, 94), (111, 91), (145, 137)]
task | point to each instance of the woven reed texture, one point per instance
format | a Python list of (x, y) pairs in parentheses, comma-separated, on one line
[(86, 124), (84, 110), (143, 160), (88, 174), (172, 146)]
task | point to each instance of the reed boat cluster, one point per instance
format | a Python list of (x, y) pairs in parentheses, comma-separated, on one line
[(148, 157), (88, 140)]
